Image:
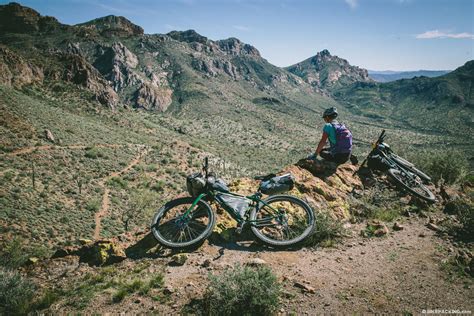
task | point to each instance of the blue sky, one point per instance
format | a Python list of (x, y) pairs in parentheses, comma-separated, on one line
[(373, 34)]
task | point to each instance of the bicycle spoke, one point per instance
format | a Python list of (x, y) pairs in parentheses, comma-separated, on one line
[(290, 221)]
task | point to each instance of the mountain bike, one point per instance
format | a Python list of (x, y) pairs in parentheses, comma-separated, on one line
[(277, 220), (403, 172)]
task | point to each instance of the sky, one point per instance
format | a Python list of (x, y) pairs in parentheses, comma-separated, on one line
[(373, 34)]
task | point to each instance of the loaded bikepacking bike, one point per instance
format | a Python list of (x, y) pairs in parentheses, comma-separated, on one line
[(403, 172), (278, 220)]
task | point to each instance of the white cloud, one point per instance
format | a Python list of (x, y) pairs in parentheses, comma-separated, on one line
[(441, 34), (241, 28), (352, 3)]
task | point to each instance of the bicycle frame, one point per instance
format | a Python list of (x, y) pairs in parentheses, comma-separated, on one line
[(255, 198)]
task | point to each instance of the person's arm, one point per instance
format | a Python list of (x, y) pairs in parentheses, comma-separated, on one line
[(322, 143)]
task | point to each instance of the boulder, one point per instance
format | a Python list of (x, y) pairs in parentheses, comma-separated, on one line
[(99, 253), (49, 135), (256, 262), (397, 226), (178, 259), (377, 228)]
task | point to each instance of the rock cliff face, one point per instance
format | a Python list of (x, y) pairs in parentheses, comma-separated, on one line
[(119, 64), (15, 18), (112, 25), (324, 71), (16, 71)]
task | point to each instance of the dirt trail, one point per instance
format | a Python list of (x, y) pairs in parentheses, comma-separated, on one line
[(27, 150), (398, 273), (104, 209)]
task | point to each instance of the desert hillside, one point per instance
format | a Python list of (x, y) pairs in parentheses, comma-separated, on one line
[(101, 123)]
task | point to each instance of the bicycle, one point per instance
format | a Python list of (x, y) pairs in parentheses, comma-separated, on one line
[(278, 220), (403, 172)]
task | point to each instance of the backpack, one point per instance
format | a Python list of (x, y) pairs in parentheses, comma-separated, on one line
[(343, 139)]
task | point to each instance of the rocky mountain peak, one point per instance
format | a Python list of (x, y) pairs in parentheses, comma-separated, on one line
[(234, 46), (326, 71), (188, 36), (16, 18), (112, 25)]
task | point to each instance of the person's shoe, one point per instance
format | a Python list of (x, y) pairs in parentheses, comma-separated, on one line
[(354, 160)]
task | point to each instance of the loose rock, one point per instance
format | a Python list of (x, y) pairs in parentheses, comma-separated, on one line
[(178, 259)]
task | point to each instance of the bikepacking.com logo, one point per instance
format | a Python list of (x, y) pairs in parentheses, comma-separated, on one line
[(445, 311)]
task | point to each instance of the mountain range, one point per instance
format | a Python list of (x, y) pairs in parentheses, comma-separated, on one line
[(390, 75)]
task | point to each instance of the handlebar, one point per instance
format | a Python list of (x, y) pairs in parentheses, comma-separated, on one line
[(205, 167), (381, 137)]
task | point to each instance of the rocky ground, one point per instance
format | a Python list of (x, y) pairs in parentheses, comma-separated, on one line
[(399, 272), (405, 265)]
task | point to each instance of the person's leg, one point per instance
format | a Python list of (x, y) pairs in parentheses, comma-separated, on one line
[(341, 158), (326, 154), (354, 159)]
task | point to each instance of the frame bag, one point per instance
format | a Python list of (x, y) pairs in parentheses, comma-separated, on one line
[(239, 205)]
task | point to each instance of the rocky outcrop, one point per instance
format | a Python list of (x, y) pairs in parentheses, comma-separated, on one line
[(116, 64), (15, 18), (233, 46), (152, 97), (120, 66), (80, 72), (16, 71), (324, 71), (99, 253), (112, 25), (189, 36)]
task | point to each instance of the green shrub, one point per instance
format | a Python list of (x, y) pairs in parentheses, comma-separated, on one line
[(12, 254), (126, 289), (48, 298), (328, 231), (464, 209), (93, 205), (158, 186), (93, 153), (117, 182), (242, 291), (16, 293), (376, 203), (447, 165)]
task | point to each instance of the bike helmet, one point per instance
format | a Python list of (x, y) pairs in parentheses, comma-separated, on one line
[(330, 112)]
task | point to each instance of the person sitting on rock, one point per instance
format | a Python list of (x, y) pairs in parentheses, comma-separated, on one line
[(340, 140)]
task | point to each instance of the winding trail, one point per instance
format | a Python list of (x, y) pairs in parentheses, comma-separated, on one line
[(104, 209), (27, 150)]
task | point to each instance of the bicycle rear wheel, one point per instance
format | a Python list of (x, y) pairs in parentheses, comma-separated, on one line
[(413, 185), (282, 220), (174, 230)]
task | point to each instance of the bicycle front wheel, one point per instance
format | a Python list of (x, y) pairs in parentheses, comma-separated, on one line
[(412, 184), (282, 220), (174, 230)]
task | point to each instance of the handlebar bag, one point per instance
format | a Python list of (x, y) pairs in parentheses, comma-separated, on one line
[(195, 184), (220, 185), (278, 184)]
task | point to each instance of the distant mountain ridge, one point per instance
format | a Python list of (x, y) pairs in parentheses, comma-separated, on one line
[(389, 75), (111, 60), (325, 71)]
